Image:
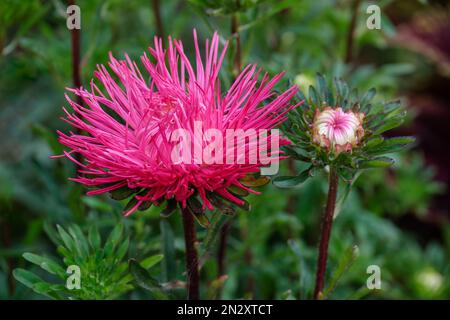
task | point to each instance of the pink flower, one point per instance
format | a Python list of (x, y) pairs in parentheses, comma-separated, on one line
[(336, 130), (128, 124)]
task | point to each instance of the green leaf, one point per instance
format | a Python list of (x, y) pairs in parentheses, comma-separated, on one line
[(295, 154), (151, 261), (290, 182), (237, 191), (301, 97), (26, 277), (380, 162), (392, 106), (324, 90), (367, 97), (131, 204), (144, 205), (52, 234), (122, 250), (48, 290), (115, 235), (251, 181), (94, 238), (146, 281), (195, 207), (313, 96), (346, 262), (389, 124), (373, 142), (222, 206), (341, 90), (35, 283), (169, 209), (80, 240), (67, 239), (392, 145), (45, 263)]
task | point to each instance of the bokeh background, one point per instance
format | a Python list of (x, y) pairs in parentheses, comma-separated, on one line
[(398, 218)]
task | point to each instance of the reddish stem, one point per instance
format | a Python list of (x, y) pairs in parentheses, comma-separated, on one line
[(235, 33), (191, 255), (327, 222), (76, 76), (158, 20)]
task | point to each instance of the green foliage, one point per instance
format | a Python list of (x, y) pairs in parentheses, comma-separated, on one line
[(102, 271), (271, 250), (379, 117)]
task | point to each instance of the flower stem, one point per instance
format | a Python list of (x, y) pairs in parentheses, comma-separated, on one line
[(158, 20), (191, 254), (235, 33), (326, 232), (76, 66)]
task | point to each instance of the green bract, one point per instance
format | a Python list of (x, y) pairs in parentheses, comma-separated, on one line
[(370, 152)]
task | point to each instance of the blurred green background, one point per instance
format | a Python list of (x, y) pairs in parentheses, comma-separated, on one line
[(398, 218)]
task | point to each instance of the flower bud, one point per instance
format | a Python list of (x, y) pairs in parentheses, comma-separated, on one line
[(337, 130)]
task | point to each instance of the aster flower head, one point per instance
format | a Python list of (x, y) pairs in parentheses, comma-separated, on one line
[(335, 126), (131, 129)]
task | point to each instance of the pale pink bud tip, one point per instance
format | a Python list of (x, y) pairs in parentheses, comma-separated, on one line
[(337, 130)]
